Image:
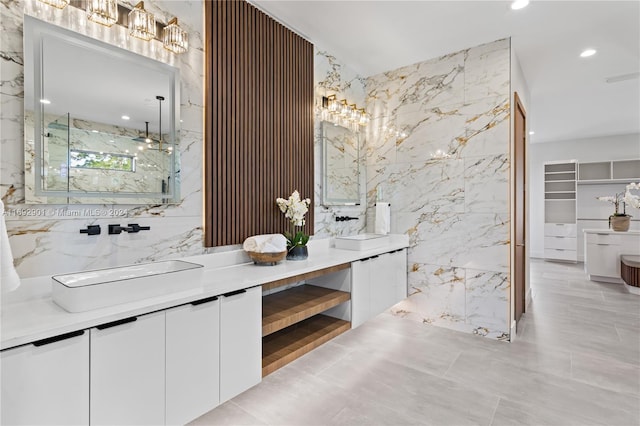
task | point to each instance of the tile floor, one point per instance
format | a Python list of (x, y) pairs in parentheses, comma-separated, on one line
[(576, 361)]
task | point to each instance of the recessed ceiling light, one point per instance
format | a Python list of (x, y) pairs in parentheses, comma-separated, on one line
[(126, 117), (519, 4), (45, 101), (532, 132), (587, 52)]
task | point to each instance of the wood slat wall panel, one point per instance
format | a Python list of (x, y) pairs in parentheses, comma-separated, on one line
[(259, 122)]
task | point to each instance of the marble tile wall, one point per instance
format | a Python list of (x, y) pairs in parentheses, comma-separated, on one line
[(333, 76), (45, 239), (438, 148)]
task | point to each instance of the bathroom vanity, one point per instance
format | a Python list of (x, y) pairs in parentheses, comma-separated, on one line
[(603, 248), (169, 359)]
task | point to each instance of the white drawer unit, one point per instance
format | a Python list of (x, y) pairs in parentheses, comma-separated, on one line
[(560, 229), (560, 254), (564, 243)]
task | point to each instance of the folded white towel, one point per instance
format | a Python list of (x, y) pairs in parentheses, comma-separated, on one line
[(9, 279), (267, 243)]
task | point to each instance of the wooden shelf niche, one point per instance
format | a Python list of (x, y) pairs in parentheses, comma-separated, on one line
[(298, 319)]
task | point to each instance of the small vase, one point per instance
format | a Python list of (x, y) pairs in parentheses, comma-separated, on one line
[(297, 253), (619, 223)]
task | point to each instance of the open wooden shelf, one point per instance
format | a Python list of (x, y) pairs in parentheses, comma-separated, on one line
[(286, 345), (280, 310), (305, 276)]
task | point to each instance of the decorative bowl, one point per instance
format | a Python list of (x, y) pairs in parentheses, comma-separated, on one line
[(266, 258)]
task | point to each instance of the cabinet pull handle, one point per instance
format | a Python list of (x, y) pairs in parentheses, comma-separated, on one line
[(374, 257), (58, 338), (234, 293), (559, 237), (601, 234), (601, 244), (559, 224), (203, 301), (116, 323)]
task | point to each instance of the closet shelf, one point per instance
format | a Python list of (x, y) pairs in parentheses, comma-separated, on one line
[(282, 309)]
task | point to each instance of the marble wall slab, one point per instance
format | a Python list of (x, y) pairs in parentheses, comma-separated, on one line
[(46, 239), (438, 150)]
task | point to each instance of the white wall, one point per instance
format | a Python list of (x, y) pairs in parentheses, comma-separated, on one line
[(605, 148)]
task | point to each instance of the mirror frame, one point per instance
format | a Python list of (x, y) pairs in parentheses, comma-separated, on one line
[(35, 31), (327, 201)]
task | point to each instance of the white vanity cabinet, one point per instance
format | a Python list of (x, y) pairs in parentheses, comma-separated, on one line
[(377, 283), (192, 360), (240, 341), (46, 382), (128, 371), (603, 249)]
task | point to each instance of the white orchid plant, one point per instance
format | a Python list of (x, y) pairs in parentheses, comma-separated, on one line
[(626, 198), (294, 209), (630, 199)]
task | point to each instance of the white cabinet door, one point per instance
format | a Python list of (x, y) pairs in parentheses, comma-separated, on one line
[(193, 357), (603, 260), (383, 283), (127, 371), (240, 341), (360, 291), (400, 268), (46, 382)]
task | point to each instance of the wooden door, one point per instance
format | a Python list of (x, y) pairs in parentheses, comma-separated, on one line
[(519, 278)]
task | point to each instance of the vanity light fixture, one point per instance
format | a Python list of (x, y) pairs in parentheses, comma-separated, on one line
[(103, 12), (341, 113), (142, 24), (60, 4), (174, 38)]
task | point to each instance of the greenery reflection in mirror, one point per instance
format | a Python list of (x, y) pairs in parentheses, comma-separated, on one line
[(341, 165), (100, 121)]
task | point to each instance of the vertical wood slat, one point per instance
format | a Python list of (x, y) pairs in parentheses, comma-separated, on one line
[(259, 122)]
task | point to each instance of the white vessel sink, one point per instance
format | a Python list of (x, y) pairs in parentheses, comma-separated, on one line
[(83, 291), (361, 242)]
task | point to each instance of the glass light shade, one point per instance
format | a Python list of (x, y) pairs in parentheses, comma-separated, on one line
[(142, 24), (344, 108), (60, 4), (333, 103), (103, 12), (175, 38)]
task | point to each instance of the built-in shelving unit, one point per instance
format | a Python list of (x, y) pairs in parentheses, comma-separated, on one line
[(292, 319), (560, 210), (605, 172)]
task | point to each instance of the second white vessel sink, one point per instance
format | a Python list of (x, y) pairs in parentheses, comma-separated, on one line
[(361, 242), (84, 291)]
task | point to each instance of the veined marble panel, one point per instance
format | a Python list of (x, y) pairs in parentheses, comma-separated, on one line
[(487, 71), (437, 292), (55, 246), (435, 185), (424, 85), (486, 128), (486, 184), (487, 299), (334, 77)]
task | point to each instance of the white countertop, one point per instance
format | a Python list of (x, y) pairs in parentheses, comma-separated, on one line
[(610, 231), (39, 318)]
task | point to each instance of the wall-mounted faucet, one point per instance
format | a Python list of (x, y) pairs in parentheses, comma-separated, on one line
[(132, 228), (91, 230), (345, 218)]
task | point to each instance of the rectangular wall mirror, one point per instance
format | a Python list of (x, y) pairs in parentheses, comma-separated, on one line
[(100, 121), (341, 165)]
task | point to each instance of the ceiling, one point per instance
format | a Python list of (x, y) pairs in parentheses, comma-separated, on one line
[(570, 98)]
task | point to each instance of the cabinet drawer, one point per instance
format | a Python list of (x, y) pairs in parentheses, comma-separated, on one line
[(566, 243), (560, 229), (603, 238), (560, 254)]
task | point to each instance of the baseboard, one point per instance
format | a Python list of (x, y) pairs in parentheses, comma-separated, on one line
[(512, 333), (537, 254)]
